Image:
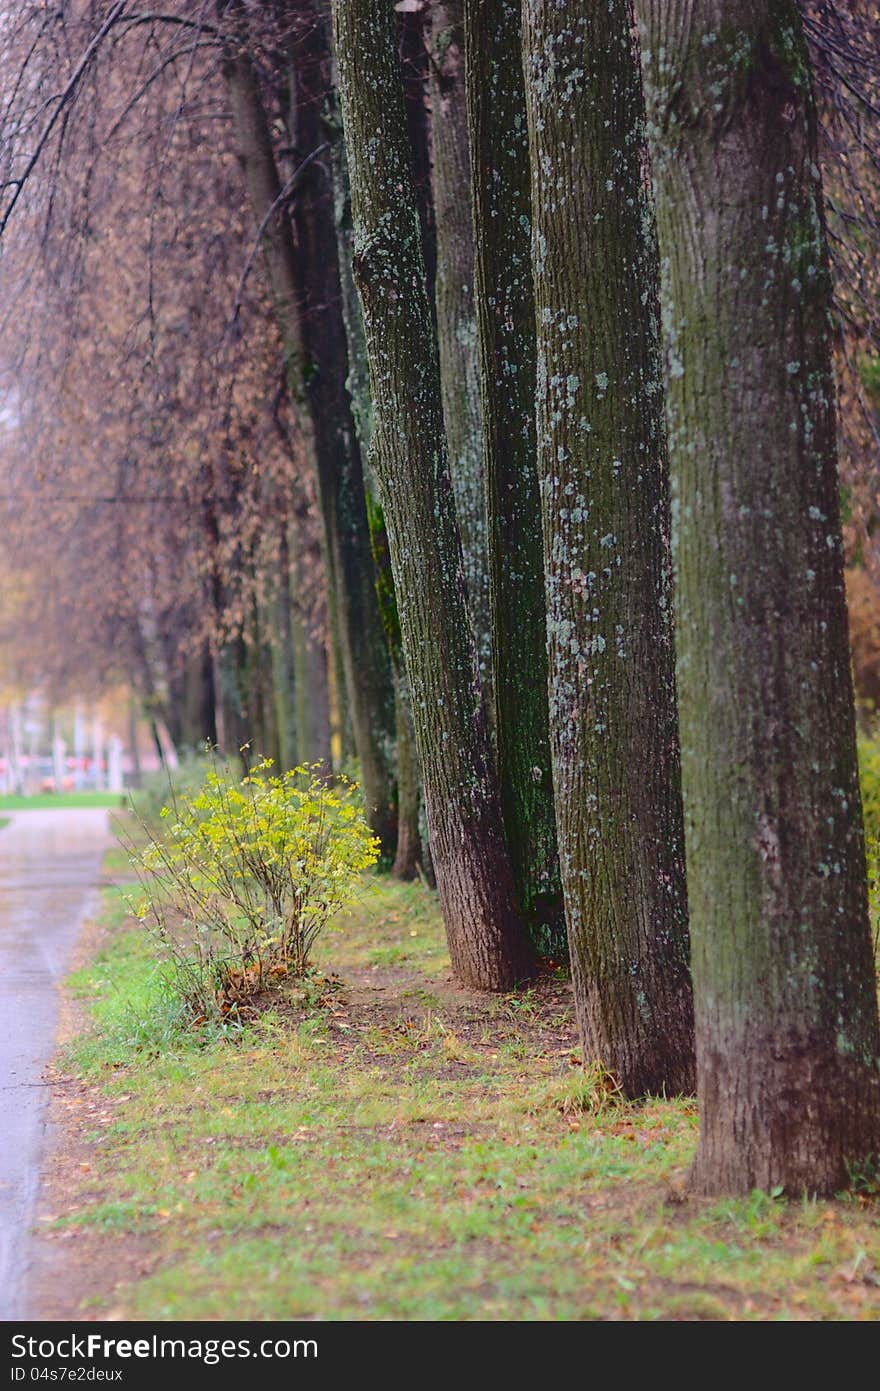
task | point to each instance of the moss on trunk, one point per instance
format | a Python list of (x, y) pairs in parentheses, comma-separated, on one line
[(604, 485), (488, 946), (456, 311), (787, 1035), (506, 326)]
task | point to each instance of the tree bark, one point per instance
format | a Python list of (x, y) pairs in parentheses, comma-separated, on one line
[(358, 370), (506, 323), (284, 659), (604, 485), (305, 285), (408, 853), (456, 312), (408, 857), (412, 51), (488, 946), (308, 712), (366, 667), (787, 1033)]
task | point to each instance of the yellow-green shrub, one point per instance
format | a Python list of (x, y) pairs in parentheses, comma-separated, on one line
[(246, 874)]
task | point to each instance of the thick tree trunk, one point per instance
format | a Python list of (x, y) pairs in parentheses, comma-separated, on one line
[(408, 853), (604, 486), (456, 313), (487, 943), (787, 1034), (306, 293), (506, 321)]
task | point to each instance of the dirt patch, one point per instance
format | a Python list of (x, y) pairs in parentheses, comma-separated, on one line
[(390, 1004)]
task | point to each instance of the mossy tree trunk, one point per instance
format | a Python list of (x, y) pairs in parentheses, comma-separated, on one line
[(366, 667), (456, 311), (409, 851), (604, 487), (487, 943), (787, 1034), (506, 323), (304, 280)]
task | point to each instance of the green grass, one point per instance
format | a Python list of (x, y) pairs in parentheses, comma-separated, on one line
[(395, 1149), (46, 800), (4, 821)]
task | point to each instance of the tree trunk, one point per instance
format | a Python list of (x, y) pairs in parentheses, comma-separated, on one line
[(175, 706), (197, 726), (237, 729), (488, 946), (312, 705), (412, 49), (261, 686), (305, 287), (456, 314), (408, 856), (408, 853), (366, 667), (284, 660), (604, 486), (506, 320), (787, 1034), (358, 372)]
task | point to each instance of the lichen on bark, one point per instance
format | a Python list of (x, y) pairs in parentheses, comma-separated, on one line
[(787, 1033), (501, 194), (456, 310), (488, 946), (602, 463)]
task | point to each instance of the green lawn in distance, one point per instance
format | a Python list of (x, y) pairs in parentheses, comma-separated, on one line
[(45, 801)]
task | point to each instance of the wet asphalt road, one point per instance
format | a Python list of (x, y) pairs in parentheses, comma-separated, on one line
[(50, 863)]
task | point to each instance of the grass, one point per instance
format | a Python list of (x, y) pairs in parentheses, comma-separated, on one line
[(385, 1146), (45, 801)]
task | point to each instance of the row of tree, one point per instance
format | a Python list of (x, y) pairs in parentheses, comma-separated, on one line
[(358, 425)]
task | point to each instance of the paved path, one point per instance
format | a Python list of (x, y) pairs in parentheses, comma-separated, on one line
[(50, 864)]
